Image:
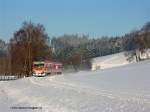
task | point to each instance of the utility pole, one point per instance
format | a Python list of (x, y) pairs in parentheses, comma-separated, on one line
[(30, 52)]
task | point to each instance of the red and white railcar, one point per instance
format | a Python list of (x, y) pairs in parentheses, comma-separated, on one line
[(43, 68)]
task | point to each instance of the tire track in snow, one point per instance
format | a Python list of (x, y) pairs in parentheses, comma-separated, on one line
[(50, 81), (22, 99)]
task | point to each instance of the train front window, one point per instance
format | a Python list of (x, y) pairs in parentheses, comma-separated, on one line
[(38, 65)]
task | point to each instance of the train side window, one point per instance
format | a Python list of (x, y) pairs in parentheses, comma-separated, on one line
[(46, 65)]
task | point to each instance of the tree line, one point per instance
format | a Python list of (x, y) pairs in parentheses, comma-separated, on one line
[(31, 42), (77, 50)]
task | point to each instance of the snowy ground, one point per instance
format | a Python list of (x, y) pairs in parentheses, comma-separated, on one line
[(121, 89)]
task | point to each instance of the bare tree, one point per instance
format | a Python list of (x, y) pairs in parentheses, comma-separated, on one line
[(29, 43)]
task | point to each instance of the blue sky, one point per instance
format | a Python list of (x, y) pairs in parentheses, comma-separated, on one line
[(94, 17)]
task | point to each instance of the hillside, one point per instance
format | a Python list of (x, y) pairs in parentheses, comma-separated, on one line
[(110, 61), (120, 89)]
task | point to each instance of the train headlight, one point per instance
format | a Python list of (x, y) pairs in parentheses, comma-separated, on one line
[(33, 72)]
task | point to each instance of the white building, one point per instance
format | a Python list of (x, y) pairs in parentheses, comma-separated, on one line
[(144, 55)]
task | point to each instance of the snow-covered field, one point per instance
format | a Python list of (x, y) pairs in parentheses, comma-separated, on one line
[(121, 89)]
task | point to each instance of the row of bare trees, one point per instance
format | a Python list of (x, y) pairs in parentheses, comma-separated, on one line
[(137, 42), (79, 49), (139, 39)]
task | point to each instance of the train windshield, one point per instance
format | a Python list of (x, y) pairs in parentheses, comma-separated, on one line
[(38, 65)]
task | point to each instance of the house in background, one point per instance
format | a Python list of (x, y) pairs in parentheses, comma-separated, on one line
[(143, 55)]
